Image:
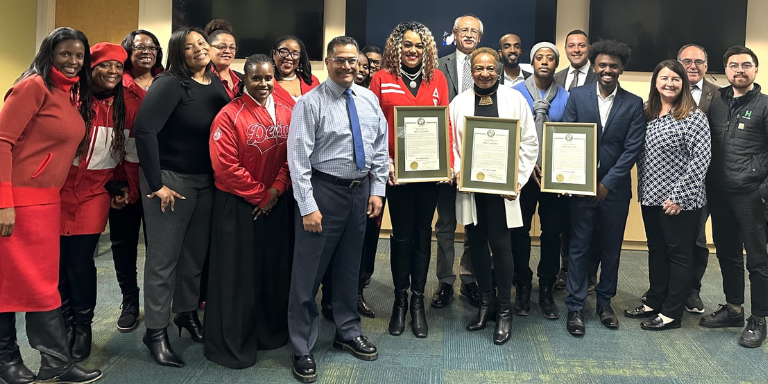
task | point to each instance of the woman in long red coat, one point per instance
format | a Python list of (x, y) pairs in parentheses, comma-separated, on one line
[(41, 129)]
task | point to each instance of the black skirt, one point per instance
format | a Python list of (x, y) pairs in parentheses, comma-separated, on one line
[(249, 281)]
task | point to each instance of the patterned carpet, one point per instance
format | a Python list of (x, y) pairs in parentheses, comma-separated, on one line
[(541, 351)]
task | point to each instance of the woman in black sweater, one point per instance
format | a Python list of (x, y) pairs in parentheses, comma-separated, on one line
[(176, 178)]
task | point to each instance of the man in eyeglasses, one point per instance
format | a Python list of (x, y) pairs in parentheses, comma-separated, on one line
[(737, 190), (467, 31), (338, 136)]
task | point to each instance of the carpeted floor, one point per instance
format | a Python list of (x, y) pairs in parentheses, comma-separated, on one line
[(541, 351)]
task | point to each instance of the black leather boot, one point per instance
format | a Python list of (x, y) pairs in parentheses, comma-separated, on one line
[(422, 247), (547, 303), (501, 333), (12, 368), (45, 331), (400, 261), (523, 300), (191, 322), (160, 348), (81, 348), (484, 314)]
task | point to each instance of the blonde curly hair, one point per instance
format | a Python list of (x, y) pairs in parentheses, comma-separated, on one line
[(394, 45)]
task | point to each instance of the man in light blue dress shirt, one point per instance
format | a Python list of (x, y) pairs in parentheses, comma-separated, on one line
[(338, 135)]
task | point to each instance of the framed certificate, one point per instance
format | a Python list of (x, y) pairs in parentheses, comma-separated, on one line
[(422, 152), (569, 158), (489, 155)]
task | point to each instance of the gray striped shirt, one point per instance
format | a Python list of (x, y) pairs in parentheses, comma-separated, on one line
[(320, 137)]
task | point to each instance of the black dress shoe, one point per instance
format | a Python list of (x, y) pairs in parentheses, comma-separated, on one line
[(327, 311), (575, 323), (640, 312), (472, 293), (503, 330), (363, 307), (753, 334), (73, 375), (485, 313), (160, 348), (522, 305), (547, 304), (562, 277), (359, 347), (607, 317), (723, 317), (191, 322), (442, 296), (657, 324), (304, 369)]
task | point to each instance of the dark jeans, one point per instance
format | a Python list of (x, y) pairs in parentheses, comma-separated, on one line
[(670, 257), (552, 215), (124, 226), (491, 229), (77, 271), (738, 221)]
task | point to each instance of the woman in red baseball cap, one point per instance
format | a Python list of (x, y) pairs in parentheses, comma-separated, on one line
[(96, 182), (43, 123)]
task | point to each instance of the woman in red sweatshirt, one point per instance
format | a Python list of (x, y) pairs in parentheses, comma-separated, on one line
[(409, 76), (144, 63), (250, 269), (41, 128), (85, 201)]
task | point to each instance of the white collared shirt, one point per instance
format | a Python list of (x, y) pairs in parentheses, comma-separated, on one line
[(696, 92), (460, 57), (583, 71), (510, 82), (605, 104)]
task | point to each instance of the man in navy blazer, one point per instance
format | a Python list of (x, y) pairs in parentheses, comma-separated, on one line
[(620, 137)]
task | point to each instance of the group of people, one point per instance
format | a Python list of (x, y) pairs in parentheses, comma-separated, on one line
[(269, 184)]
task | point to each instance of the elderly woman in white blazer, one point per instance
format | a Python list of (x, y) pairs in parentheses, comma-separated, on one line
[(489, 218)]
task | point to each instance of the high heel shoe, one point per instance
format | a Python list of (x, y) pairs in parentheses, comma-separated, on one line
[(191, 322), (485, 313), (160, 348)]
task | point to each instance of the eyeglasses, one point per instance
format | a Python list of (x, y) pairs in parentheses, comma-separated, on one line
[(284, 52), (223, 47), (142, 48), (352, 61), (744, 66), (688, 62), (465, 31)]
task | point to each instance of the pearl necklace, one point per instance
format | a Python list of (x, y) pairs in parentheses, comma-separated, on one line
[(292, 78), (410, 77)]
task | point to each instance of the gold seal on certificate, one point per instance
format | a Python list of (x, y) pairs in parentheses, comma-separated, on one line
[(481, 176), (560, 178), (414, 165)]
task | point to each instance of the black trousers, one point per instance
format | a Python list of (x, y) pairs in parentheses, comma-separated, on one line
[(411, 208), (738, 221), (491, 229), (670, 257), (552, 214), (77, 271), (700, 251), (124, 227), (337, 247)]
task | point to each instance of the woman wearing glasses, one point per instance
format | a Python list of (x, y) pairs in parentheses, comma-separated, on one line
[(409, 76), (223, 50), (144, 63), (292, 70)]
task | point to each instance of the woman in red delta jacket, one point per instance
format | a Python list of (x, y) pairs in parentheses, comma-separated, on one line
[(85, 201), (250, 265), (409, 77), (40, 130), (143, 64)]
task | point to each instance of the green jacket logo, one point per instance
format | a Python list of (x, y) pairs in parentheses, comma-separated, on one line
[(748, 114)]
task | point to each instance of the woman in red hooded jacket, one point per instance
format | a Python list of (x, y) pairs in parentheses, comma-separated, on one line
[(41, 128), (250, 265), (85, 198)]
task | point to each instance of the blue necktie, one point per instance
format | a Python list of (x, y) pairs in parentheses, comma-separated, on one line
[(357, 136)]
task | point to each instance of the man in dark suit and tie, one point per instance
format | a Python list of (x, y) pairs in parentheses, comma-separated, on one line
[(580, 72), (467, 31), (577, 74), (620, 136)]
